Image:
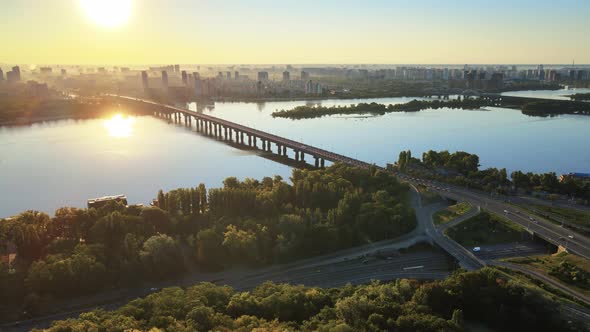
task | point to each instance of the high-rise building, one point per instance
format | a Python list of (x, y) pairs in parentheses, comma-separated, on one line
[(63, 72), (304, 76), (145, 80), (228, 75), (16, 71), (196, 76), (1, 75), (176, 68), (236, 75), (184, 77), (286, 76), (165, 79), (263, 76)]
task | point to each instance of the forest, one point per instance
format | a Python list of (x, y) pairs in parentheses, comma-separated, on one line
[(485, 297), (250, 222)]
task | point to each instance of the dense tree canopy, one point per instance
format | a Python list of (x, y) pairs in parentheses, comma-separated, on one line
[(253, 222), (484, 297)]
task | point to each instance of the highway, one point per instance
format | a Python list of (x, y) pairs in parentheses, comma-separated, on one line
[(541, 227)]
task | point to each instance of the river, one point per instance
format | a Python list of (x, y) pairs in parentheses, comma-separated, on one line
[(62, 163)]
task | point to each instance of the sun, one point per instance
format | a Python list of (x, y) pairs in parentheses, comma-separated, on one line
[(107, 13)]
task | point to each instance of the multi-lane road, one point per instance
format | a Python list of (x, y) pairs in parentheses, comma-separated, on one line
[(552, 233)]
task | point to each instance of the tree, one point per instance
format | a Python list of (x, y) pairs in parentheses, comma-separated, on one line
[(157, 218), (209, 250), (161, 200), (161, 256), (457, 317), (30, 234), (241, 243)]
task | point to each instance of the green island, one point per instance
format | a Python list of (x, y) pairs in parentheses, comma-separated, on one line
[(248, 223), (308, 112), (484, 297), (450, 213), (580, 96), (541, 108), (546, 108), (485, 228)]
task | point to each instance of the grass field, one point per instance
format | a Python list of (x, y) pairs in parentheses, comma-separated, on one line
[(450, 213), (428, 197), (571, 215), (485, 228), (567, 268)]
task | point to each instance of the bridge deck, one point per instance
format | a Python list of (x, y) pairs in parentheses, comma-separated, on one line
[(314, 151)]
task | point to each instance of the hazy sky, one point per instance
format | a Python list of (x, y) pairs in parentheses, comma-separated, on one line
[(300, 31)]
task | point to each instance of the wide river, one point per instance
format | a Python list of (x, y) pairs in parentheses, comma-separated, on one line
[(63, 163)]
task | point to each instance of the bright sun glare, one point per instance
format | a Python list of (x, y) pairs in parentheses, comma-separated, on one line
[(107, 13), (119, 126)]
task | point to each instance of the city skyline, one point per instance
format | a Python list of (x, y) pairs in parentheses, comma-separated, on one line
[(264, 32)]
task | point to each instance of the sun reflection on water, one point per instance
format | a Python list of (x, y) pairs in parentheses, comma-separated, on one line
[(119, 126)]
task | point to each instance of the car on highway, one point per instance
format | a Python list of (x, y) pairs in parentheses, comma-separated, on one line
[(476, 249), (570, 236), (506, 211)]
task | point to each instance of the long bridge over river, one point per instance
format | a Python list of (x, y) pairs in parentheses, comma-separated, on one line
[(232, 132)]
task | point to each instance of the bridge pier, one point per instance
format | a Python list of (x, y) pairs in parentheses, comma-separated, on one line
[(317, 161), (284, 151), (322, 163)]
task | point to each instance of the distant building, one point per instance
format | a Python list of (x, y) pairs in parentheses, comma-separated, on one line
[(259, 88), (176, 68), (196, 76), (64, 72), (1, 75), (304, 76), (102, 70), (263, 76), (228, 75), (38, 90), (102, 201), (124, 69), (15, 76), (236, 75), (584, 177), (165, 79), (11, 77), (184, 77), (145, 80), (286, 76), (45, 70)]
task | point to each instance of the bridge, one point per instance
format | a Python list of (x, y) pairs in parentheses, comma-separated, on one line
[(235, 133)]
